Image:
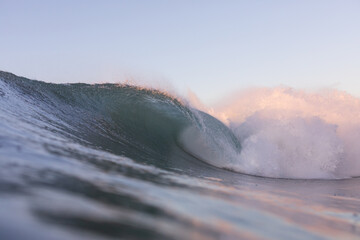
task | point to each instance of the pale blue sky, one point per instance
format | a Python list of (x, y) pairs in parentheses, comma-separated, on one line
[(212, 47)]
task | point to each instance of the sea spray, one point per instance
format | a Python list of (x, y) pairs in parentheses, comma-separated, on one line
[(288, 133)]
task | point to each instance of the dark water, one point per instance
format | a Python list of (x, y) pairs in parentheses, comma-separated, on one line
[(121, 162)]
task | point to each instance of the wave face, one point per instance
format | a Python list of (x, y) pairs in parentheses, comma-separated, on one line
[(143, 124)]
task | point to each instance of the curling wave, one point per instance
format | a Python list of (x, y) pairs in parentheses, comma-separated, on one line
[(143, 124)]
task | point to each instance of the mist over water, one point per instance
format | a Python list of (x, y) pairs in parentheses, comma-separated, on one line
[(289, 133)]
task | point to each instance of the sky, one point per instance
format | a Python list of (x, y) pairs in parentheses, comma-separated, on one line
[(210, 47)]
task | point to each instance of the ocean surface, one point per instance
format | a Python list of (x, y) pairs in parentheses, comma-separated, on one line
[(118, 161)]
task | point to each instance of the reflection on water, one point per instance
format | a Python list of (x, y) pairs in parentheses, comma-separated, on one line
[(133, 201)]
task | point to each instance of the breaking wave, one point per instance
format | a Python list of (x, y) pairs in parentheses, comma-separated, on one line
[(279, 132)]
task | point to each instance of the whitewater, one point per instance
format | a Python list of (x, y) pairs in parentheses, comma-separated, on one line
[(110, 161)]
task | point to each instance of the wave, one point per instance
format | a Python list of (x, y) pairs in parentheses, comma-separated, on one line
[(279, 133), (143, 124)]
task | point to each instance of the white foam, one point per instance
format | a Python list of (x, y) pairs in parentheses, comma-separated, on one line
[(287, 133)]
